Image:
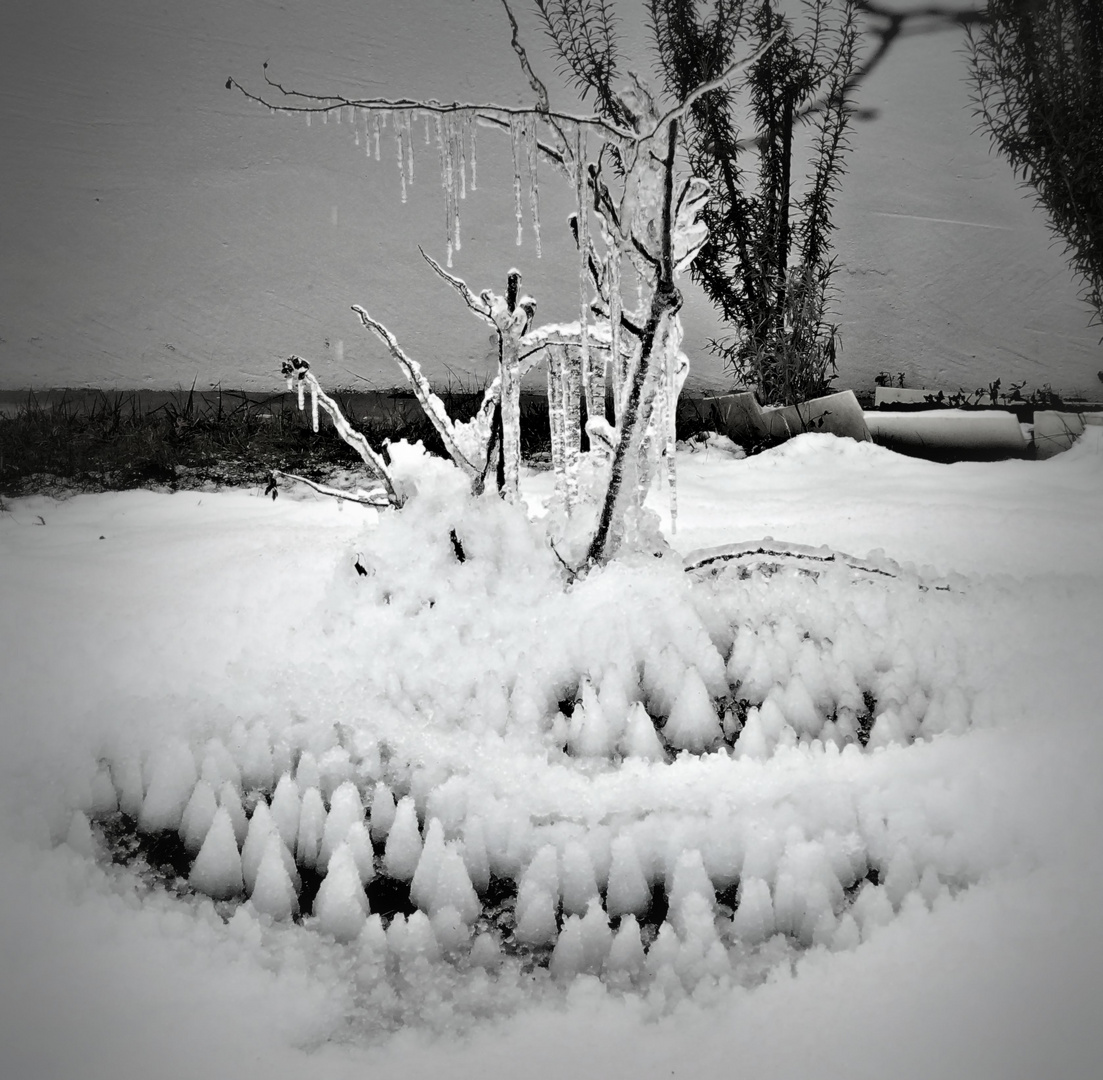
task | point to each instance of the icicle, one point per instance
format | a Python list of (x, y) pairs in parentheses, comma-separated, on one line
[(308, 119), (594, 382), (461, 157), (445, 182), (515, 139), (671, 392), (377, 125), (615, 310), (325, 117), (454, 167), (510, 368), (534, 182), (472, 127), (557, 418), (314, 407), (301, 402), (409, 125), (398, 143), (583, 250), (428, 140), (572, 431)]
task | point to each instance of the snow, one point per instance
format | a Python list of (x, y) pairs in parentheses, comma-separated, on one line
[(236, 629)]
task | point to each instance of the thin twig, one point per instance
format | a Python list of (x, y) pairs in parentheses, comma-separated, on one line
[(364, 498)]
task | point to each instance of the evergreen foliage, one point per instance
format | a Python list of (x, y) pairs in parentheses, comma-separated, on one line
[(1037, 73), (767, 265), (583, 35)]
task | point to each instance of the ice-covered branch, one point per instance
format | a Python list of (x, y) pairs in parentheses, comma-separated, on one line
[(297, 372), (431, 404), (485, 111), (378, 497), (475, 303)]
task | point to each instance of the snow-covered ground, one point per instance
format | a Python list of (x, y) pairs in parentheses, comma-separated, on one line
[(145, 634)]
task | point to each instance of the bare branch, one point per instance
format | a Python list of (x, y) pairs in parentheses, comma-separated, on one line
[(538, 87)]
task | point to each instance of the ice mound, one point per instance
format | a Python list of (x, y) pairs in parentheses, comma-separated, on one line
[(217, 867), (479, 767), (341, 906)]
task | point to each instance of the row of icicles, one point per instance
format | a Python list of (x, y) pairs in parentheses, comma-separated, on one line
[(454, 134)]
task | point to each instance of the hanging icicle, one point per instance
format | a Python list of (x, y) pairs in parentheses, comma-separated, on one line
[(557, 418), (302, 402), (410, 117), (615, 310), (670, 410), (314, 405), (398, 126), (308, 119), (581, 189), (378, 119), (455, 169), (446, 184), (534, 182), (472, 126), (572, 427), (428, 140), (515, 145), (460, 157)]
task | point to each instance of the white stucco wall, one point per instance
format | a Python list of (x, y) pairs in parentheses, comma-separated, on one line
[(157, 228)]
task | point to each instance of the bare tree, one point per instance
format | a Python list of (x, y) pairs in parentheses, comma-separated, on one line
[(635, 214)]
